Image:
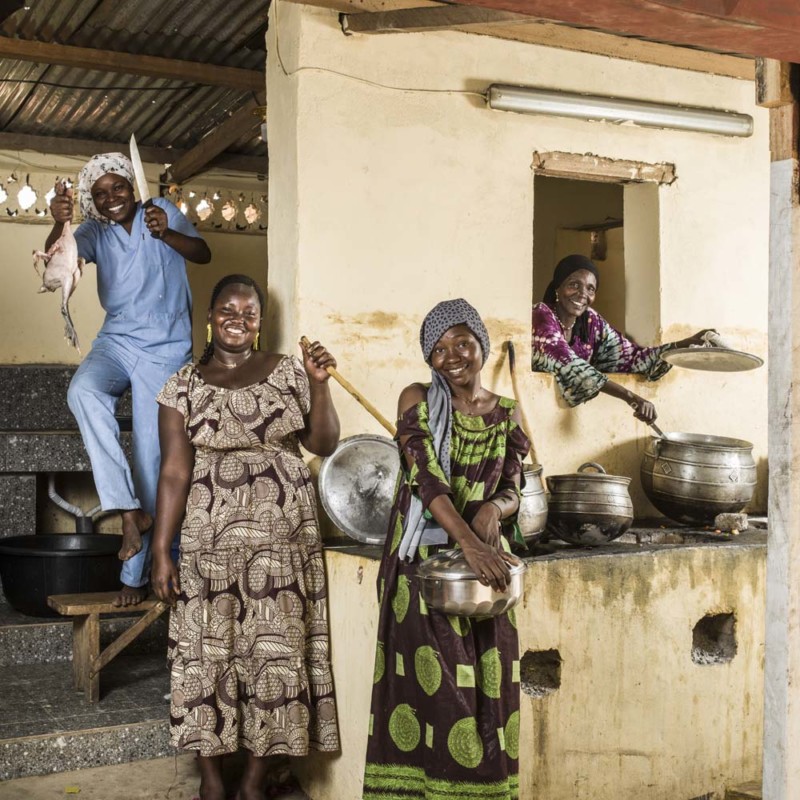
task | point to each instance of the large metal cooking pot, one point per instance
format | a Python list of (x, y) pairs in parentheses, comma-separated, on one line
[(449, 585), (356, 486), (589, 508), (692, 477), (532, 516)]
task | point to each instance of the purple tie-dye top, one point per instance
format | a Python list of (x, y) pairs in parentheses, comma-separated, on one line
[(578, 365)]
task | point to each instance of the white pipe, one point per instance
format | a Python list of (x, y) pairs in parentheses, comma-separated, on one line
[(530, 100), (59, 500), (67, 506)]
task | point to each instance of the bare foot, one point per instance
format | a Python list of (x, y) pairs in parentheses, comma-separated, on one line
[(211, 792), (211, 785), (130, 595), (134, 523)]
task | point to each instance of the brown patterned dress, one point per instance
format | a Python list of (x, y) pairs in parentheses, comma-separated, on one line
[(248, 638)]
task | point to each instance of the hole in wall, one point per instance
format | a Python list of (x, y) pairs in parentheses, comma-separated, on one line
[(714, 639), (540, 672)]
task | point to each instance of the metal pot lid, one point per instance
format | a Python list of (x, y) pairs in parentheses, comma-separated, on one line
[(601, 475), (450, 565), (356, 486), (712, 359)]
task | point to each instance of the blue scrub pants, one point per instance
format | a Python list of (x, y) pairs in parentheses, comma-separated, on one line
[(108, 370)]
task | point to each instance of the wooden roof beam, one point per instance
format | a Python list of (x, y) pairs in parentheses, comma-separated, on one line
[(773, 83), (775, 88), (408, 20), (523, 28), (55, 145), (197, 159), (132, 64)]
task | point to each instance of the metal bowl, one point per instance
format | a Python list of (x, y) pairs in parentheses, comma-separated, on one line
[(449, 585)]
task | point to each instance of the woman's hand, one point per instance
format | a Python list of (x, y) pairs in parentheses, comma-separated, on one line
[(316, 360), (164, 579), (489, 564), (61, 205), (486, 524), (643, 409), (697, 340), (156, 220)]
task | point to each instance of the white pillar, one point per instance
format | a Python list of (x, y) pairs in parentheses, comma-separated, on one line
[(782, 668)]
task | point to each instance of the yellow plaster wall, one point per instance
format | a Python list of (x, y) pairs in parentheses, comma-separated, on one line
[(634, 716), (399, 197)]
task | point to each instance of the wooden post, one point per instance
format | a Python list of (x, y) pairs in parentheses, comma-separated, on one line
[(85, 649), (781, 777)]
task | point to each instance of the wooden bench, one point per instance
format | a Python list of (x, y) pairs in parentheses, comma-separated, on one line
[(85, 610)]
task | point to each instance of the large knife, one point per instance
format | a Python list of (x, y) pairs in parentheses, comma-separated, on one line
[(141, 180)]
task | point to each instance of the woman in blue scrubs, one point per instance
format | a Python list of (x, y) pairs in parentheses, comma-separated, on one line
[(146, 336)]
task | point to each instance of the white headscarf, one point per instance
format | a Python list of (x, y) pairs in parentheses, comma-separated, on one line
[(96, 167)]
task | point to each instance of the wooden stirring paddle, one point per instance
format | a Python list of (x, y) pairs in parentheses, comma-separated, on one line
[(305, 344), (526, 426)]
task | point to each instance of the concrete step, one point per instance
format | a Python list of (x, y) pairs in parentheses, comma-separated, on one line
[(45, 640), (48, 727), (33, 452), (33, 397), (745, 791)]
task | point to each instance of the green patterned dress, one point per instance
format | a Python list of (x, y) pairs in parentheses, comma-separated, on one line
[(444, 722)]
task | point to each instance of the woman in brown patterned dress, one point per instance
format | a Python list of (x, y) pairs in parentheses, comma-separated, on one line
[(248, 642), (444, 722)]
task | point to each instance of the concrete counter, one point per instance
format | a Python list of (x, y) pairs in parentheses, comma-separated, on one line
[(641, 668)]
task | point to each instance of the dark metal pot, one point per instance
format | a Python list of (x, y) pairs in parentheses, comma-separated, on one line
[(532, 516), (588, 508), (692, 477)]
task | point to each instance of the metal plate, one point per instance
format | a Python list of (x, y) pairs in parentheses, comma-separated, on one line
[(356, 486), (712, 359)]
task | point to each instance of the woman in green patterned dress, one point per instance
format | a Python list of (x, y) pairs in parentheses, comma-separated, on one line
[(248, 638), (444, 723)]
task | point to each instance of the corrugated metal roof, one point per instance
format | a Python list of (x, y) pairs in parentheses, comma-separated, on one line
[(40, 99)]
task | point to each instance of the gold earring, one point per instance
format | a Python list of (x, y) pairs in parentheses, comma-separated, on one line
[(208, 333), (255, 342)]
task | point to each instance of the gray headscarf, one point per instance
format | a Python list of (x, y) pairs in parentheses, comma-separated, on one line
[(96, 167), (444, 316), (439, 320)]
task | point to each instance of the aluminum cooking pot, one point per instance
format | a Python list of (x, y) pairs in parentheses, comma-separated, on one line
[(449, 585), (691, 477), (589, 508), (532, 515)]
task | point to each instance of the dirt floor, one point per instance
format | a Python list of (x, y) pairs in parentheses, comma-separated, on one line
[(160, 779)]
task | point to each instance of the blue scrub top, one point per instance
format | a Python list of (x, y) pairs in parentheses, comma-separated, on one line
[(142, 284)]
